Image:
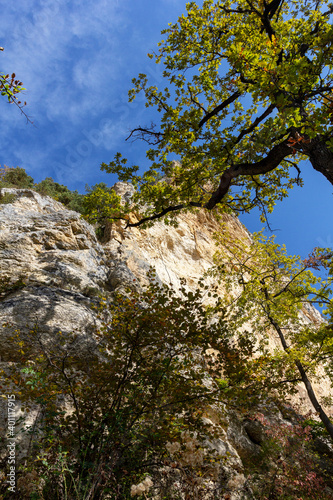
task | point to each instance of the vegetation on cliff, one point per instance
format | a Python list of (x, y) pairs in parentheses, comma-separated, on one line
[(137, 409)]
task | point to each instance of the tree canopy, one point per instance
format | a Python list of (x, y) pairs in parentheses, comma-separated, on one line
[(248, 96), (146, 390), (268, 295)]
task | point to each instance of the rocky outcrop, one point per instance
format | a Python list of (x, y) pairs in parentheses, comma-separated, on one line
[(41, 240), (54, 267), (56, 257)]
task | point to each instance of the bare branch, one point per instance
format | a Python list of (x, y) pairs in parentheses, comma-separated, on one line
[(145, 134)]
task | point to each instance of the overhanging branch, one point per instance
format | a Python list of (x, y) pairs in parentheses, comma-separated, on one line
[(164, 212), (267, 164)]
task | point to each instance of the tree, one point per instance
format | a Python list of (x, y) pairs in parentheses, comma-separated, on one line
[(249, 96), (267, 291), (102, 204), (15, 177), (10, 87), (137, 384)]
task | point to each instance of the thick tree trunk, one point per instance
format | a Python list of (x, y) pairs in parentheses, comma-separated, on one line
[(321, 158)]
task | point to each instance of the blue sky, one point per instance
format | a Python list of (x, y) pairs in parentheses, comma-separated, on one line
[(77, 59)]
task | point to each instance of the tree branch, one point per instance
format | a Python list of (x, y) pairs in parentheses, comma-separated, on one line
[(164, 212), (255, 123), (219, 108), (270, 162), (141, 133)]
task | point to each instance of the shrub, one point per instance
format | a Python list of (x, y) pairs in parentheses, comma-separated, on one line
[(71, 199), (15, 177), (290, 464), (18, 178), (108, 408), (7, 198)]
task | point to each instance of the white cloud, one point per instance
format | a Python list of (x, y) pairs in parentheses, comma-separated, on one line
[(76, 59), (54, 53)]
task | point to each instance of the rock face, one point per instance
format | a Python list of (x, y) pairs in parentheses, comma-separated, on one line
[(55, 253), (50, 245)]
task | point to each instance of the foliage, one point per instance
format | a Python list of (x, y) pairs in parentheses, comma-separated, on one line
[(100, 204), (317, 428), (115, 409), (10, 88), (248, 95), (109, 407), (17, 177), (7, 198), (71, 199), (268, 291), (291, 468)]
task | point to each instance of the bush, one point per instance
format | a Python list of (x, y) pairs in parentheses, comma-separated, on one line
[(290, 464), (110, 410), (71, 199), (7, 198), (16, 178)]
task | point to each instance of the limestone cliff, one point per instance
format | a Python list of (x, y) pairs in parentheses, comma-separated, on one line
[(64, 267)]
